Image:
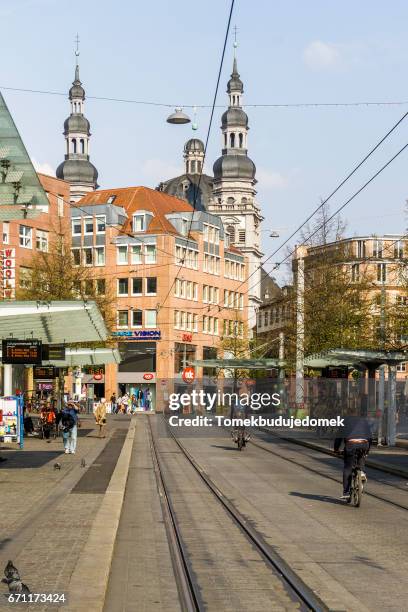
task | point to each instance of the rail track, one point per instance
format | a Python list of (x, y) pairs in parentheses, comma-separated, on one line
[(188, 582)]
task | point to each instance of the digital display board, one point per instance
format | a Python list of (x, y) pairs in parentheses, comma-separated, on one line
[(44, 373), (25, 352), (53, 352)]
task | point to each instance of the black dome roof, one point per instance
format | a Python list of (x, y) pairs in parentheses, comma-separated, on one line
[(77, 170), (234, 116), (234, 166), (76, 123), (194, 144)]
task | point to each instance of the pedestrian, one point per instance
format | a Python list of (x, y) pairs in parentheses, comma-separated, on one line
[(100, 417), (114, 403), (69, 421), (125, 403)]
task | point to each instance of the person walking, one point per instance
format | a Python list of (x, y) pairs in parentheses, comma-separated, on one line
[(69, 421), (114, 403), (100, 417)]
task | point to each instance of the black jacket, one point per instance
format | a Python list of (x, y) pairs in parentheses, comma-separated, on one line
[(354, 427)]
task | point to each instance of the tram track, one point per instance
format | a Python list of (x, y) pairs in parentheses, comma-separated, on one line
[(327, 476), (188, 584)]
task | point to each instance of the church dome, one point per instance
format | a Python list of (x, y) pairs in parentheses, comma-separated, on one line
[(234, 167), (234, 116), (194, 144), (76, 123), (77, 91), (77, 171)]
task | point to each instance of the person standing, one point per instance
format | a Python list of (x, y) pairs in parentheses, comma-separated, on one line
[(100, 417), (114, 403), (69, 421)]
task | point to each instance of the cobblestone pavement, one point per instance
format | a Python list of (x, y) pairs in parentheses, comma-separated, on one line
[(44, 526)]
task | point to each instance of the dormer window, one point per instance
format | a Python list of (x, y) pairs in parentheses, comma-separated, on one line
[(139, 223), (111, 199), (184, 227)]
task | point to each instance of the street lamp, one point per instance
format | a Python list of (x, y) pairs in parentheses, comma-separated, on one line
[(178, 117)]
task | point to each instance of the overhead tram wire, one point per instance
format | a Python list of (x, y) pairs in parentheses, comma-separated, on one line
[(251, 105), (197, 188)]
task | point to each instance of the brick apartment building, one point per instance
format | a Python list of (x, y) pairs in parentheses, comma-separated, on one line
[(135, 240)]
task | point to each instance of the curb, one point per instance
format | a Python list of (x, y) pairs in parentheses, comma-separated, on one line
[(88, 584), (378, 465)]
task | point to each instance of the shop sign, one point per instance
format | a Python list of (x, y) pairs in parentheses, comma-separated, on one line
[(98, 376), (9, 274), (25, 352), (187, 337), (148, 376), (45, 386), (139, 334), (188, 375)]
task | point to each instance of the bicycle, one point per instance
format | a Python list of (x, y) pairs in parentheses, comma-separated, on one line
[(356, 487)]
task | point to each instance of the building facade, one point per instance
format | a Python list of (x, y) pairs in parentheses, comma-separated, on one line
[(166, 316)]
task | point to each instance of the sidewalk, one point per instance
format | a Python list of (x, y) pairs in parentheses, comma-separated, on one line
[(393, 460), (47, 513)]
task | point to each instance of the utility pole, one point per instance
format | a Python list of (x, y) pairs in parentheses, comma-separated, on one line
[(300, 325), (381, 381)]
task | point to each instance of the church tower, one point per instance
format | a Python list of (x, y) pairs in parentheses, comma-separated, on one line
[(77, 169), (234, 190)]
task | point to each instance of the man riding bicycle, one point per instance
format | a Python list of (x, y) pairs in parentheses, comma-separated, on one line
[(356, 436)]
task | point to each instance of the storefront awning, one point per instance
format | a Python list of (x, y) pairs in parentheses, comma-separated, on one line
[(53, 322), (234, 364), (355, 357), (83, 356)]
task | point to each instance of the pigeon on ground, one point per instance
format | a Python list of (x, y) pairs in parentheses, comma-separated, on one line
[(57, 466), (13, 580)]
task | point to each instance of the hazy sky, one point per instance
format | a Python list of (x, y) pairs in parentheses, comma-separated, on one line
[(290, 51)]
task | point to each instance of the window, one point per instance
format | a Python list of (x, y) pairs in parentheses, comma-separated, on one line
[(60, 206), (99, 256), (122, 254), (137, 318), (382, 272), (241, 140), (401, 367), (111, 199), (137, 286), (355, 273), (378, 248), (87, 254), (89, 289), (399, 250), (150, 253), (136, 254), (6, 232), (361, 248), (26, 237), (100, 286), (25, 277), (176, 319), (76, 227), (401, 300), (151, 285), (100, 224), (82, 146), (42, 240), (232, 141), (76, 255), (151, 318), (241, 235), (195, 292), (231, 234), (88, 226), (123, 286), (139, 223), (184, 227), (123, 318)]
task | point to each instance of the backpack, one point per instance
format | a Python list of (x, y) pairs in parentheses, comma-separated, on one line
[(67, 421)]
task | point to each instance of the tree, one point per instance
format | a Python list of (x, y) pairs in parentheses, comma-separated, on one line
[(54, 275), (323, 229)]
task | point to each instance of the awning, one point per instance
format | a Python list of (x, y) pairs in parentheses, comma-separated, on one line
[(234, 364), (53, 322), (83, 356), (355, 357)]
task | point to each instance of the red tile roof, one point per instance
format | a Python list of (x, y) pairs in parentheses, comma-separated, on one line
[(133, 199)]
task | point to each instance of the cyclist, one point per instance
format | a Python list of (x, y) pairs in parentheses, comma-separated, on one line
[(356, 436)]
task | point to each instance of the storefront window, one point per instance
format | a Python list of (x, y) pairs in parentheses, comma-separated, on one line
[(183, 354)]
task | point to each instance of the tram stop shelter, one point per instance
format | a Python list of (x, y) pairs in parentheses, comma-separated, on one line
[(371, 361), (57, 322)]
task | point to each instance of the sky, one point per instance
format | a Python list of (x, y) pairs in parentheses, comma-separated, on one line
[(289, 51)]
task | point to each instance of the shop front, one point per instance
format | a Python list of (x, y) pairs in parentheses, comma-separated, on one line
[(93, 382), (136, 375)]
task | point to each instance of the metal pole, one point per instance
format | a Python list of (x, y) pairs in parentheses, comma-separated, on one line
[(392, 405), (300, 326), (381, 398), (7, 379)]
